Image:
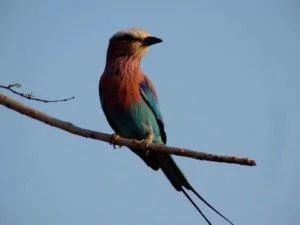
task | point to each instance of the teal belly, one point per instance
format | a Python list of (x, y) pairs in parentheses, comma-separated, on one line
[(136, 122)]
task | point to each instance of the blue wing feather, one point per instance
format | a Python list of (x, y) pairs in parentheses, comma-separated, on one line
[(149, 95)]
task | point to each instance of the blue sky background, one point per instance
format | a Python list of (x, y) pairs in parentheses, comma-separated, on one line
[(227, 75)]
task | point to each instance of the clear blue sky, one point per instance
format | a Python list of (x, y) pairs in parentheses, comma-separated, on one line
[(227, 75)]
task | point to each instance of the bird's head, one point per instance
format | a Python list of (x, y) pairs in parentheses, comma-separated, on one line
[(131, 43)]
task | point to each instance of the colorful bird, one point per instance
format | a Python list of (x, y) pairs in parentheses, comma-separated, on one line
[(130, 104)]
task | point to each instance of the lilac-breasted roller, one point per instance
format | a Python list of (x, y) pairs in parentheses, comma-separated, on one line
[(130, 104)]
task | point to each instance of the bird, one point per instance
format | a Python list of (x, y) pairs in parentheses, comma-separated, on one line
[(130, 104)]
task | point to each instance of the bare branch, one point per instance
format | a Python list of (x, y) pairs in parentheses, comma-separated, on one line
[(69, 127), (30, 96)]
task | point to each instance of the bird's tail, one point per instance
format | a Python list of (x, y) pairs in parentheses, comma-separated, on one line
[(180, 183)]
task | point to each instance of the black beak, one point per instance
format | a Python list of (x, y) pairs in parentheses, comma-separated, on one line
[(151, 40)]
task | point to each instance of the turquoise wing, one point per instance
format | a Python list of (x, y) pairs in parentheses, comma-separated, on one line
[(150, 97)]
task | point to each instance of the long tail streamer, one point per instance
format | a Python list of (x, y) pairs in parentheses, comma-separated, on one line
[(203, 200)]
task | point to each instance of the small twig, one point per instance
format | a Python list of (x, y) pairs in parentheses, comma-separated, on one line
[(30, 96), (69, 127)]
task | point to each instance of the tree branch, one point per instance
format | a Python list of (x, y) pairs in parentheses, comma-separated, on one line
[(30, 96), (69, 127)]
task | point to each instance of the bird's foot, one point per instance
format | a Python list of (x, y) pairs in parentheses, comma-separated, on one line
[(147, 141), (113, 139)]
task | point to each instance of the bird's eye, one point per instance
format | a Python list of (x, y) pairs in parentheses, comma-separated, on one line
[(126, 37)]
